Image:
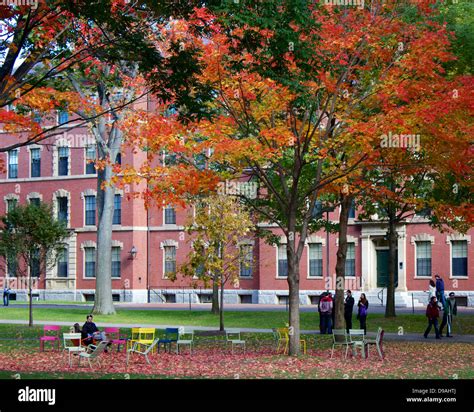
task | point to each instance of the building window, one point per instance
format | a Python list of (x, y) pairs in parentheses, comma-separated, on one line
[(352, 210), (170, 216), (35, 264), (11, 204), (350, 260), (63, 161), (423, 259), (116, 262), (90, 210), (12, 266), (117, 219), (35, 162), (246, 261), (63, 117), (315, 259), (13, 164), (282, 261), (459, 257), (90, 262), (118, 158), (90, 159), (317, 212), (63, 263), (62, 209), (170, 260), (35, 201)]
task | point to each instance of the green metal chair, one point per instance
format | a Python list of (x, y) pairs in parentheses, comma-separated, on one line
[(377, 342), (233, 337), (185, 338), (357, 340), (93, 352), (340, 338), (142, 349)]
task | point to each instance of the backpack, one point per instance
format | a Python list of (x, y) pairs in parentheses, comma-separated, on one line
[(325, 306), (363, 310)]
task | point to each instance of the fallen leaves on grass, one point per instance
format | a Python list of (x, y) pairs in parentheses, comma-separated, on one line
[(403, 360)]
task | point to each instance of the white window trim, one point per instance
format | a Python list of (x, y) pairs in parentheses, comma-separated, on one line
[(247, 242), (10, 196), (88, 192), (17, 150), (351, 239), (457, 237), (283, 241), (62, 193), (85, 159), (55, 268), (84, 245), (30, 148), (166, 243), (61, 143), (309, 241), (120, 193), (422, 238), (34, 195), (173, 225)]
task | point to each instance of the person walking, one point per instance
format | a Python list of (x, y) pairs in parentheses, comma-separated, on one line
[(450, 309), (363, 307), (440, 290), (348, 309), (6, 296), (432, 313), (326, 307)]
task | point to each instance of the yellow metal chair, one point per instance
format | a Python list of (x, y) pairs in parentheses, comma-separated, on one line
[(144, 336), (283, 337)]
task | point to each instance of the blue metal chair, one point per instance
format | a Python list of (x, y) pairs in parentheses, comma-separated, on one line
[(171, 335)]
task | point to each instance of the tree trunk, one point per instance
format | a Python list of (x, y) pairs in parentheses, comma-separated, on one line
[(215, 295), (294, 298), (221, 309), (30, 289), (341, 264), (392, 243), (105, 204)]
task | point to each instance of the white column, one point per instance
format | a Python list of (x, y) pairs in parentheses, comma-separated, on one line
[(402, 257), (366, 263)]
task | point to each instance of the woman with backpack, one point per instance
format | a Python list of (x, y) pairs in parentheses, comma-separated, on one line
[(363, 306)]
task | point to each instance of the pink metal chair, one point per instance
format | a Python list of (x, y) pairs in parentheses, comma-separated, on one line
[(50, 334), (115, 337)]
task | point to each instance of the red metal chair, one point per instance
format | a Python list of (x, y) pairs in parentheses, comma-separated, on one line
[(115, 337), (50, 334)]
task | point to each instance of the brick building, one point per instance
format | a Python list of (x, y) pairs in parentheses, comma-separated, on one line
[(148, 243)]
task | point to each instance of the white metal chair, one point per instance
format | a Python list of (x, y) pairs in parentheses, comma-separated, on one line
[(185, 338), (340, 338), (233, 337), (142, 349), (72, 343), (377, 342), (357, 340), (93, 352)]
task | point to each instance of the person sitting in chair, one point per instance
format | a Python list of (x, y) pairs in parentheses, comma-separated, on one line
[(90, 332)]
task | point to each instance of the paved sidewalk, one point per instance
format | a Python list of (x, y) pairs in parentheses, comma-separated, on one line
[(407, 337)]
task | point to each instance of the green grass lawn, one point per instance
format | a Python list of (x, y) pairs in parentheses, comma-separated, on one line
[(464, 324)]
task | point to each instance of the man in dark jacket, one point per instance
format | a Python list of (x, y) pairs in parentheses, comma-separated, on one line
[(348, 309), (440, 290), (432, 313), (90, 332), (450, 309)]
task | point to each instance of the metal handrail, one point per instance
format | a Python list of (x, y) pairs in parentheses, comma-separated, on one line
[(380, 295)]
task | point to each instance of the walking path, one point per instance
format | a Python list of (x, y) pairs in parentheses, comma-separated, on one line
[(407, 337)]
